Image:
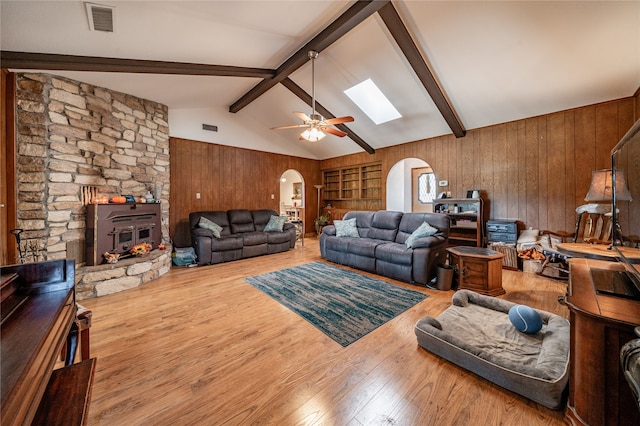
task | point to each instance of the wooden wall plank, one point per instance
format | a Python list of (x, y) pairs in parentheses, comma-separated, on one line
[(569, 171), (585, 151), (555, 157), (511, 151), (531, 171)]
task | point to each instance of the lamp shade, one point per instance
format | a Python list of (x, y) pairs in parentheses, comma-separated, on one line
[(601, 188)]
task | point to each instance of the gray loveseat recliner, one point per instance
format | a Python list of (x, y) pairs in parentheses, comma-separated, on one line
[(242, 235), (381, 247)]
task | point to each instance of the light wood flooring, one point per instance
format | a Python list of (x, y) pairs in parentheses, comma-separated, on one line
[(200, 346)]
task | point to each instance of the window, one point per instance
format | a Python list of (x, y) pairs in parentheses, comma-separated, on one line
[(426, 188), (372, 102)]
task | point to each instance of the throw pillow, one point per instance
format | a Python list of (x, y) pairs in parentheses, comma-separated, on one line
[(525, 319), (424, 230), (276, 223), (346, 228), (211, 226)]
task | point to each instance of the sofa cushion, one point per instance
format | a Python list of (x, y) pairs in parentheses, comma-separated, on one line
[(394, 253), (412, 221), (278, 237), (210, 225), (346, 228), (424, 230), (362, 246), (254, 238), (218, 217), (384, 225), (226, 243), (275, 224), (261, 218), (241, 221), (363, 221)]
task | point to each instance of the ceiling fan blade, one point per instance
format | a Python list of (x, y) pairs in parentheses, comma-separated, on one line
[(339, 120), (288, 127), (334, 132), (302, 116)]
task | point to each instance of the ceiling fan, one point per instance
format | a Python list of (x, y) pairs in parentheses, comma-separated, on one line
[(316, 125)]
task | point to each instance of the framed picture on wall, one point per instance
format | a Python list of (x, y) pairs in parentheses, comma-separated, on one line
[(297, 189)]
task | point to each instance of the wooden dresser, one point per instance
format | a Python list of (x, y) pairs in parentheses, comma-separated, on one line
[(600, 325), (38, 315)]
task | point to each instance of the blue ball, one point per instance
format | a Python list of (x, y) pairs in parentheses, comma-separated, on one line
[(525, 319)]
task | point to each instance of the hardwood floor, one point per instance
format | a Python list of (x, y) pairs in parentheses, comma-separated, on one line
[(200, 346)]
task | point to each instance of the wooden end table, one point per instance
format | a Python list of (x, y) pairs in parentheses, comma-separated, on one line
[(479, 269)]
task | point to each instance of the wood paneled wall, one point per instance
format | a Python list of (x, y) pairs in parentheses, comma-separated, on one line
[(536, 170), (230, 178)]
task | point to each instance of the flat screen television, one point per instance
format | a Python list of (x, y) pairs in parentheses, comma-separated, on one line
[(625, 183)]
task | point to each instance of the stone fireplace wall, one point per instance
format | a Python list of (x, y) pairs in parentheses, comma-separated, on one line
[(75, 141)]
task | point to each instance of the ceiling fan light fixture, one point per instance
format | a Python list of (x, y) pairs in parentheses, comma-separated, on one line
[(313, 134)]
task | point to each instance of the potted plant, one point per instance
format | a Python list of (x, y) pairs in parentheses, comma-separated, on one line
[(322, 220)]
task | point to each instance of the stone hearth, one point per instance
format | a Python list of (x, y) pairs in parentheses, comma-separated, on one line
[(100, 280)]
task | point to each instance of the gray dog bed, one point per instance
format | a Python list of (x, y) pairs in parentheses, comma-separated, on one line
[(475, 333)]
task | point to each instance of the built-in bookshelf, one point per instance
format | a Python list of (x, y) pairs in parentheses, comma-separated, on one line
[(354, 188)]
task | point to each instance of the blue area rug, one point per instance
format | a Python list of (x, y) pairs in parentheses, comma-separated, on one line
[(343, 304)]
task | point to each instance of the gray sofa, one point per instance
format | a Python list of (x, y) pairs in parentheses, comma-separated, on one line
[(381, 247), (242, 235)]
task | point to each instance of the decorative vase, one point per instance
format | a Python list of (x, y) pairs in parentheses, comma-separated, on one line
[(475, 194)]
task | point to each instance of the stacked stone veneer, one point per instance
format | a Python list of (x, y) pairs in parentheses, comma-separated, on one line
[(76, 140)]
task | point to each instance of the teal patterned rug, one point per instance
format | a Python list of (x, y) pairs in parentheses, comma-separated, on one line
[(343, 304)]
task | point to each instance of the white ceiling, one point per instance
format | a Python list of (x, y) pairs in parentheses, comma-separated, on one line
[(496, 61)]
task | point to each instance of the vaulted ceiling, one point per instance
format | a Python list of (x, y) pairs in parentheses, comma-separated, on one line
[(447, 66)]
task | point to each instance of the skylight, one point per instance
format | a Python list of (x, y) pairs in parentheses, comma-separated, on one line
[(372, 102)]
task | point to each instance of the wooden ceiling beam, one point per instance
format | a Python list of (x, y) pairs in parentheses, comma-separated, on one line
[(299, 92), (401, 35), (355, 15), (47, 61)]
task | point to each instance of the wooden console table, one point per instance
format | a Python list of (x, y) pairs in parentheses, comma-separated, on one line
[(479, 269), (600, 325), (598, 251)]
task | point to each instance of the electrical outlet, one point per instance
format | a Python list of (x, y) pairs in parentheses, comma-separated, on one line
[(448, 194), (273, 196), (197, 195)]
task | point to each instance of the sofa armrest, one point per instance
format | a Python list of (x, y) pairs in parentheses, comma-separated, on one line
[(329, 230), (287, 226), (201, 232), (202, 245), (431, 241)]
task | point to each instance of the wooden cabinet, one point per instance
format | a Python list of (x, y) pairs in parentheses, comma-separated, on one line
[(354, 188), (466, 220), (479, 269), (600, 326)]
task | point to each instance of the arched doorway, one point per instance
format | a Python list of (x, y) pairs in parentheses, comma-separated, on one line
[(411, 186), (292, 192)]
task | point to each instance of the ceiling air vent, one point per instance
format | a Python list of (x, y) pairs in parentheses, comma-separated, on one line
[(100, 17)]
